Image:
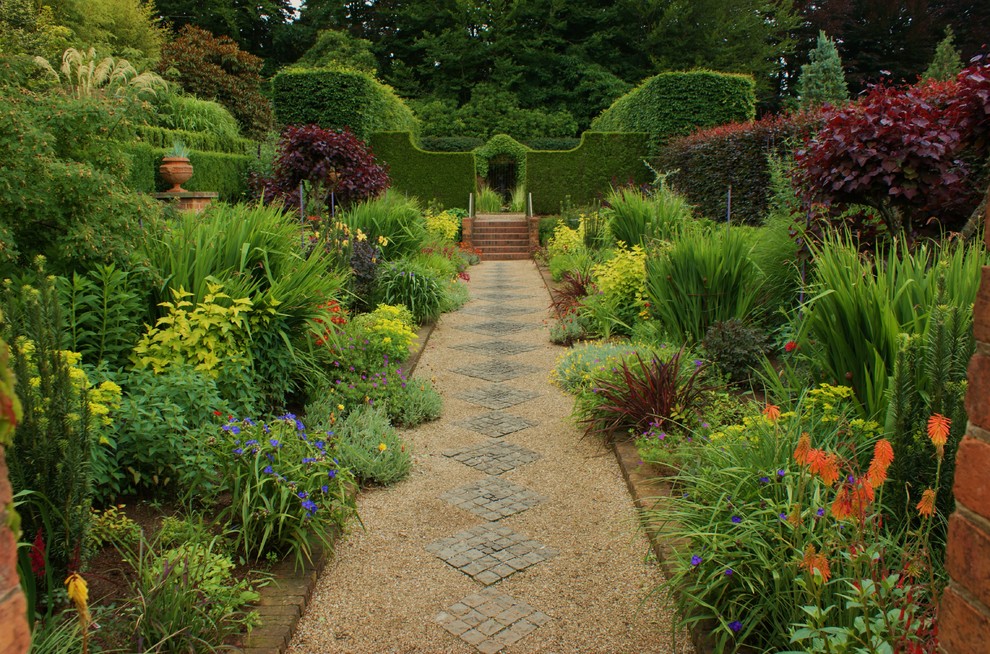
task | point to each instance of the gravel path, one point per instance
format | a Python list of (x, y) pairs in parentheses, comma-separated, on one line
[(572, 571)]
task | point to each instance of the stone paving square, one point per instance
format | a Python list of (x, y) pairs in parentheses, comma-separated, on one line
[(500, 296), (493, 498), (497, 424), (496, 370), (490, 553), (498, 327), (491, 620), (497, 396), (493, 458), (498, 310), (497, 347)]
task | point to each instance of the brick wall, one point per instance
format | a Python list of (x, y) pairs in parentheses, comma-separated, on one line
[(14, 634), (964, 616)]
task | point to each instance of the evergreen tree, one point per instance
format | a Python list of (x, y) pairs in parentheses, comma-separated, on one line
[(947, 62), (822, 79)]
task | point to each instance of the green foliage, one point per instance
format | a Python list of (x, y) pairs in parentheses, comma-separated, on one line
[(221, 172), (125, 27), (822, 79), (215, 68), (111, 526), (443, 226), (450, 143), (185, 598), (50, 453), (338, 49), (371, 448), (83, 75), (620, 283), (659, 215), (287, 493), (947, 61), (447, 178), (493, 110), (158, 434), (335, 99), (929, 378), (587, 172), (568, 329), (705, 164), (417, 287), (416, 401), (26, 29), (673, 104), (162, 137), (735, 348), (103, 314), (703, 279), (387, 332), (575, 370), (502, 145), (850, 329), (61, 180), (391, 216), (488, 201), (205, 334)]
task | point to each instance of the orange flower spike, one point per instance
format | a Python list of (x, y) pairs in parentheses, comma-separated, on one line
[(803, 449), (772, 412), (842, 505), (825, 465), (938, 431), (813, 560), (926, 507), (883, 456)]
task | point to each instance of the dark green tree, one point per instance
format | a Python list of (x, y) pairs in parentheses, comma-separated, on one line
[(947, 61), (252, 25)]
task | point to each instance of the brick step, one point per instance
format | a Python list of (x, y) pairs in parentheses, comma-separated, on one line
[(505, 256), (504, 250), (500, 232), (482, 242)]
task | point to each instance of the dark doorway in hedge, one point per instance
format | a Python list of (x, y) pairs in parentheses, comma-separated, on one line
[(502, 175)]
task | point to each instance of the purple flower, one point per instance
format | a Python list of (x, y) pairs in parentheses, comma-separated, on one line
[(736, 520), (332, 473), (698, 363), (324, 489), (780, 473), (820, 512), (238, 451), (308, 459), (729, 572), (302, 495), (268, 470), (251, 442), (696, 560), (273, 441), (764, 480), (735, 626), (783, 516), (310, 506)]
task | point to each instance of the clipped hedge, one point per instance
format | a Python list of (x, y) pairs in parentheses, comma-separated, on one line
[(501, 144), (444, 177), (161, 137), (552, 143), (587, 172), (709, 161), (212, 171), (450, 143), (672, 104), (335, 99)]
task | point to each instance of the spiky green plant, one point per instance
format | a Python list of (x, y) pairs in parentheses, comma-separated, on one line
[(82, 75), (488, 201)]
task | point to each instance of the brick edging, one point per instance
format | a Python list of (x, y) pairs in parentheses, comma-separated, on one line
[(283, 602), (648, 488)]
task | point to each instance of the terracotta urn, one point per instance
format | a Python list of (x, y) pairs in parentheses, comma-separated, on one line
[(175, 171)]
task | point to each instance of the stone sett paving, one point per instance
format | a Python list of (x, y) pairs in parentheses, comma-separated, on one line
[(491, 620), (493, 498), (493, 458), (497, 396), (499, 296), (499, 310), (496, 370), (490, 553), (497, 424), (496, 347), (498, 327)]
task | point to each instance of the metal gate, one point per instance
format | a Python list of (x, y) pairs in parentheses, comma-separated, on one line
[(502, 175)]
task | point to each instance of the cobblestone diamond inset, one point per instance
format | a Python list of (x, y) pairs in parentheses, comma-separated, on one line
[(497, 396), (490, 553), (497, 424), (493, 498), (496, 370), (500, 296), (497, 347), (496, 327), (491, 620), (498, 310), (493, 458)]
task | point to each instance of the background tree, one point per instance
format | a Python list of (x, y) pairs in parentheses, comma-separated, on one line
[(215, 68), (336, 48), (254, 25), (822, 80), (26, 29), (947, 61)]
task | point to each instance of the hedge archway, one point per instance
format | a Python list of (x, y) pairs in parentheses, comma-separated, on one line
[(502, 145)]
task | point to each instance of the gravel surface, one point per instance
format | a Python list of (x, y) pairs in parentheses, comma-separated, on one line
[(385, 590)]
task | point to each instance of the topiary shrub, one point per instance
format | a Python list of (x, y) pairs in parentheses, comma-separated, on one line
[(671, 104), (333, 163), (215, 68), (340, 99)]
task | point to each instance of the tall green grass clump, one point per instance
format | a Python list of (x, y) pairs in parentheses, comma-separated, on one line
[(703, 279), (489, 201), (392, 216), (410, 283)]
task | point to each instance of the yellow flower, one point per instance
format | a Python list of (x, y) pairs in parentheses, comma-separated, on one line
[(361, 236), (340, 407), (79, 594), (382, 447)]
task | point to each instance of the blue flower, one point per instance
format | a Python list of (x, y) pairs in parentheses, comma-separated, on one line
[(310, 506), (780, 473), (302, 495), (324, 489), (696, 560), (820, 512), (735, 626), (764, 480), (320, 445), (308, 459), (238, 451), (729, 572), (332, 474), (736, 520), (698, 363), (273, 441), (783, 516), (251, 442), (299, 425), (268, 470)]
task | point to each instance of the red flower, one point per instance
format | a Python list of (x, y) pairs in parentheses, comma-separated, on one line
[(37, 555), (217, 413), (790, 346)]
